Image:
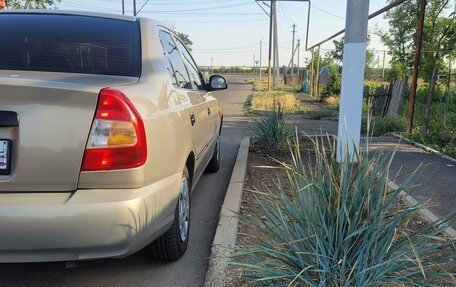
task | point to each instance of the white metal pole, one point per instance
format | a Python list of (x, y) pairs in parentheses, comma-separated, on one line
[(293, 49), (261, 51), (351, 100)]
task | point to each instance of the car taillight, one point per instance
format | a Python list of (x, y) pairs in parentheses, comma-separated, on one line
[(117, 139)]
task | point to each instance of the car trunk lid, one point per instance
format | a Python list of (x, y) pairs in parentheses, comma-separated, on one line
[(54, 113)]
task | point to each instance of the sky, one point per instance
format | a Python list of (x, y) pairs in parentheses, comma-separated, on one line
[(229, 32)]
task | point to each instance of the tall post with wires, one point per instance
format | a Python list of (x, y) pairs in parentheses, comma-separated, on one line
[(276, 45), (293, 49), (298, 48), (271, 20), (261, 64)]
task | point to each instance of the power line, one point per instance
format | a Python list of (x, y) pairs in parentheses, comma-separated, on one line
[(223, 21), (202, 9), (262, 8), (285, 15), (327, 12), (232, 48), (144, 5)]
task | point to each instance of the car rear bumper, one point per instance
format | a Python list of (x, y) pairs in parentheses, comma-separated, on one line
[(86, 224)]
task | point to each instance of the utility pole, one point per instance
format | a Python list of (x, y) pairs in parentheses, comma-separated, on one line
[(351, 100), (212, 66), (271, 19), (312, 78), (317, 72), (123, 7), (261, 65), (134, 8), (383, 69), (293, 49), (254, 63), (276, 45), (416, 65), (299, 47)]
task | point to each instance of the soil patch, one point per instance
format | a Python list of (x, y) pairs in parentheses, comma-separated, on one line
[(265, 168)]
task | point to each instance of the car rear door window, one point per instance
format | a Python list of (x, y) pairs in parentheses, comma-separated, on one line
[(176, 66), (69, 43), (191, 66)]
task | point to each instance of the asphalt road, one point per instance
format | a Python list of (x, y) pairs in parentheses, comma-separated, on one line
[(139, 269)]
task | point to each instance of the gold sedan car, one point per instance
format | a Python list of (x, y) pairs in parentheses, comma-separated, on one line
[(106, 125)]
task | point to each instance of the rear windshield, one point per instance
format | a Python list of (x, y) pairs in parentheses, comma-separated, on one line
[(67, 43)]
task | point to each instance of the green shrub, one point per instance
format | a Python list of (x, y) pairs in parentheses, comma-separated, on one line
[(381, 126), (272, 131), (317, 115), (340, 226), (247, 107)]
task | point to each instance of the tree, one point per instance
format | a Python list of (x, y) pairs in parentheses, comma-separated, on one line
[(185, 39), (337, 54), (439, 37), (32, 4), (182, 36)]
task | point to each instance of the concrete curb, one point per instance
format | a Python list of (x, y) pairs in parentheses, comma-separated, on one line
[(226, 233), (424, 213), (426, 148)]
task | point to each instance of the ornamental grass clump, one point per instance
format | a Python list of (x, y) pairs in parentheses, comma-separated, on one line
[(272, 131), (341, 226)]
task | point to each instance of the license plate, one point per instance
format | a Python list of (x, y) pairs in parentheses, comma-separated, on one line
[(5, 148)]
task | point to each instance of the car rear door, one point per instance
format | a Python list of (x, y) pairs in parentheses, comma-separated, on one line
[(199, 87), (191, 98)]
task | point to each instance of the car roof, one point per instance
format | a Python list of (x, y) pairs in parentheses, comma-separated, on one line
[(76, 13)]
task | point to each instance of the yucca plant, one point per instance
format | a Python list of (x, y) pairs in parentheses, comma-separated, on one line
[(342, 226), (272, 131)]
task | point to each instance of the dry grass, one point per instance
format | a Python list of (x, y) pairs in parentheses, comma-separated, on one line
[(332, 101), (264, 101), (258, 84)]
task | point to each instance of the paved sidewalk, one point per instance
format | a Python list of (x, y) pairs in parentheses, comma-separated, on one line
[(437, 181)]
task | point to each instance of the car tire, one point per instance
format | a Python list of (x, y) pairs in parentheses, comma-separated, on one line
[(173, 244), (214, 164)]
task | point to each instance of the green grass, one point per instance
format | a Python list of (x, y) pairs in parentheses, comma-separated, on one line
[(439, 138), (383, 126), (318, 115)]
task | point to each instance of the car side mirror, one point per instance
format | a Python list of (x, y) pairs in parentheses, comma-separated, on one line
[(217, 83)]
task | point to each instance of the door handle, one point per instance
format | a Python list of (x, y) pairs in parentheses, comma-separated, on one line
[(192, 119), (209, 111)]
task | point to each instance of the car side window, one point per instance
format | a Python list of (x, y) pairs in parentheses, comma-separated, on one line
[(191, 66), (176, 67)]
